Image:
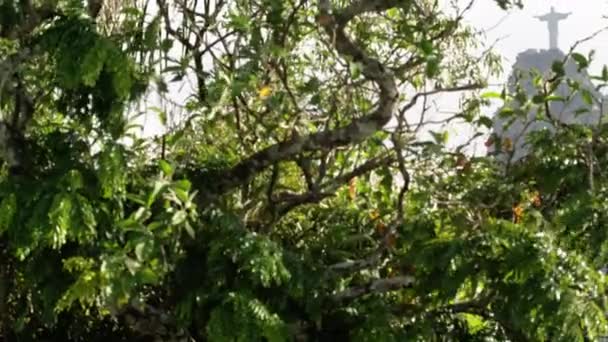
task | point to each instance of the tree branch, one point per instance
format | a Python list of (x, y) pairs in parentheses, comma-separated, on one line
[(415, 98), (328, 188), (357, 131), (359, 7), (376, 286), (351, 266)]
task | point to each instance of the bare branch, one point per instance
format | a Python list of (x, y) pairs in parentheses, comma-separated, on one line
[(376, 286), (416, 97)]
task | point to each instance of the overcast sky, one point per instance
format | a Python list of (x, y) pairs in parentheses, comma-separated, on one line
[(519, 30)]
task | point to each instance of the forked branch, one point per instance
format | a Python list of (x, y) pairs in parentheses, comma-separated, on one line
[(332, 22)]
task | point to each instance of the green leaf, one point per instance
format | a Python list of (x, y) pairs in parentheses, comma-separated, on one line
[(8, 209), (166, 44), (136, 199), (60, 218), (86, 216), (132, 265), (179, 217), (147, 276), (581, 60), (75, 180), (152, 32), (159, 187), (393, 13), (182, 195), (485, 121), (140, 215), (94, 61), (143, 250), (440, 137), (355, 69), (538, 99), (166, 168), (183, 184), (112, 171), (240, 22), (582, 110), (189, 230), (506, 112), (491, 95), (558, 68), (427, 47), (587, 96), (432, 66), (555, 98)]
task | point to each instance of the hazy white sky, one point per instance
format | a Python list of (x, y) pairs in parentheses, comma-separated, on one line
[(519, 29)]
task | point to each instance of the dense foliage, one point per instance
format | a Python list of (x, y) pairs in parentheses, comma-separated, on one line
[(299, 190)]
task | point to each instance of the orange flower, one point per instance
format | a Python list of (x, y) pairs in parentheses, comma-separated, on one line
[(352, 188), (518, 213), (380, 227)]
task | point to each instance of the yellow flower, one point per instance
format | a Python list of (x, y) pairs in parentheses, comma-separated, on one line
[(264, 92), (518, 213), (374, 214), (352, 188)]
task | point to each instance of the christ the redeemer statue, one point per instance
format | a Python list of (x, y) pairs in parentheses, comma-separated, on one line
[(552, 19)]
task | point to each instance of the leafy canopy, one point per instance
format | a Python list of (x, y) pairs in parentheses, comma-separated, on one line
[(300, 189)]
